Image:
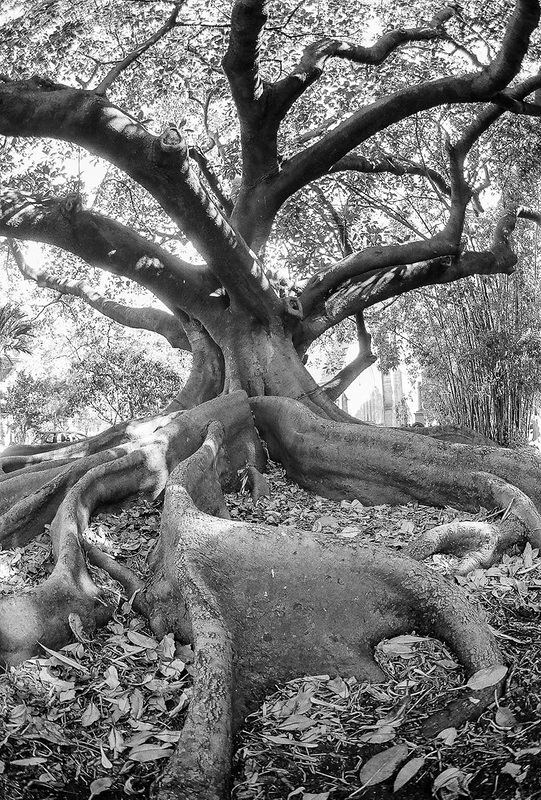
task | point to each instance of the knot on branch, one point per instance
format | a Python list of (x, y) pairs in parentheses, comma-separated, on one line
[(293, 307), (171, 140), (71, 205)]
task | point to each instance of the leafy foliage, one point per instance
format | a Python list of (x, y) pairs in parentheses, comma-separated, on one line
[(106, 386), (120, 383), (34, 404), (15, 331), (477, 345)]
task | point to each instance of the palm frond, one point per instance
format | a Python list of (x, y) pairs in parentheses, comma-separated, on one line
[(15, 331)]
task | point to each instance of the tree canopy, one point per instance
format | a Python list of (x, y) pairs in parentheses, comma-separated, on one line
[(419, 153)]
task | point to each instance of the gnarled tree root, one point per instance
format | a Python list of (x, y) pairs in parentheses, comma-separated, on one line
[(481, 544), (377, 465), (26, 506), (263, 605), (386, 465), (41, 615)]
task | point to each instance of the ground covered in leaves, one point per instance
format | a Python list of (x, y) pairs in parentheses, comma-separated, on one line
[(97, 718)]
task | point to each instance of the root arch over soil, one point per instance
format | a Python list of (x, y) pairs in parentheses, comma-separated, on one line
[(260, 604)]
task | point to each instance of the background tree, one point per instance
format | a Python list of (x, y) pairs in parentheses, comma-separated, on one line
[(34, 404), (477, 344), (120, 383), (213, 134)]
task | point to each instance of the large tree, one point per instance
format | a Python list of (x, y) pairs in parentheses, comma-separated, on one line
[(260, 605)]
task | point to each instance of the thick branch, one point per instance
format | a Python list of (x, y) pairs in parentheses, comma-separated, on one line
[(443, 244), (366, 264), (206, 379), (312, 63), (241, 61), (148, 318), (364, 359), (258, 128), (480, 86), (39, 107), (357, 163), (108, 245), (211, 179), (373, 287)]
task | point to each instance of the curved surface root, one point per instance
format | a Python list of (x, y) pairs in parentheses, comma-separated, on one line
[(386, 465), (481, 544), (263, 605), (41, 615)]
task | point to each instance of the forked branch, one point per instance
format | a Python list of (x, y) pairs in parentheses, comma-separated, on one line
[(314, 57), (484, 85), (105, 243)]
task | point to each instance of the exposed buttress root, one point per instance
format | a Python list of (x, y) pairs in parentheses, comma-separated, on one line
[(40, 615), (261, 605), (481, 544), (378, 465)]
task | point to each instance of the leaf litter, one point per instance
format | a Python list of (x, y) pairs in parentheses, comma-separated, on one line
[(99, 717), (361, 740)]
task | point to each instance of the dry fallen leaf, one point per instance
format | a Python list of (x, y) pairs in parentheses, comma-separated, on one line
[(70, 662), (296, 722), (505, 718), (99, 785), (382, 734), (381, 766), (28, 762), (408, 771), (90, 715), (484, 678), (448, 735), (141, 640), (150, 752)]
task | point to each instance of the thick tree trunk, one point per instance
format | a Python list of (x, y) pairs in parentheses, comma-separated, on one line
[(263, 361)]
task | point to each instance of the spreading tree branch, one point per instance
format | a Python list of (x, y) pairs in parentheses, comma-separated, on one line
[(212, 180), (481, 86), (338, 384), (355, 162), (258, 128), (241, 61), (147, 318), (314, 57), (109, 245), (38, 107), (377, 261), (378, 285)]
